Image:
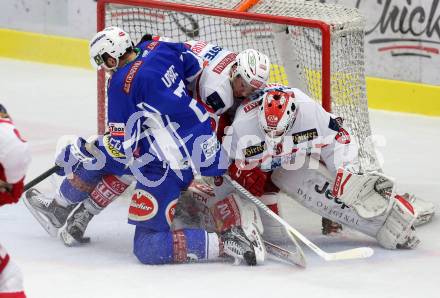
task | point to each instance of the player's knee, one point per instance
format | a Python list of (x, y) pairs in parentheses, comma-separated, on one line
[(153, 248)]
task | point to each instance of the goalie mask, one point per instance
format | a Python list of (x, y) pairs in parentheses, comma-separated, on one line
[(253, 67), (112, 41), (277, 114)]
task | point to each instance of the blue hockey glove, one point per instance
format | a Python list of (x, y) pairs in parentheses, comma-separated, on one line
[(72, 156)]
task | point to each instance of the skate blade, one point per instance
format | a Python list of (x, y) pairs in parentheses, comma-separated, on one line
[(69, 241), (41, 218)]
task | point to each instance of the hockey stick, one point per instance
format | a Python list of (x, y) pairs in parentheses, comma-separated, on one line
[(41, 177), (356, 253)]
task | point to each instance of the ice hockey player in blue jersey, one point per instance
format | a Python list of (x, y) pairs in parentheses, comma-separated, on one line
[(226, 79), (160, 136)]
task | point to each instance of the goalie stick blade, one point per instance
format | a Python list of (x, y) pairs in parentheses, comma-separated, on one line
[(356, 253), (41, 218), (291, 257)]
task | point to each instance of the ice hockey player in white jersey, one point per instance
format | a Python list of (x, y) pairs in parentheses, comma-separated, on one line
[(301, 148), (228, 78), (14, 160)]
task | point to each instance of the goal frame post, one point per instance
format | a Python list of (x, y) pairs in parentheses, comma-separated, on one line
[(286, 20)]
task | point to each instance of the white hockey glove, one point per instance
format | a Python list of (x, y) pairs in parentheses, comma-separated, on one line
[(369, 194)]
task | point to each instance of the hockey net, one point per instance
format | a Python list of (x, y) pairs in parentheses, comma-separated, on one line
[(322, 52)]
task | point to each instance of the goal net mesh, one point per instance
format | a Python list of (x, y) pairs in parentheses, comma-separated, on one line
[(296, 53)]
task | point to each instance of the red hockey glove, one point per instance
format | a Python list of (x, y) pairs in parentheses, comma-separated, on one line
[(12, 195), (253, 180)]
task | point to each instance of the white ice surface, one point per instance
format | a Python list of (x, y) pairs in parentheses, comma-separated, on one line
[(47, 102)]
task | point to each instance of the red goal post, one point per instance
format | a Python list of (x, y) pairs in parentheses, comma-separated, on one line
[(322, 53)]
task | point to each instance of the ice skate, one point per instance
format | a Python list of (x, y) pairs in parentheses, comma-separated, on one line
[(425, 209), (47, 211), (330, 227), (73, 232), (237, 245)]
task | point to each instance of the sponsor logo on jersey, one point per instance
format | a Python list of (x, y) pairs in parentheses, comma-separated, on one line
[(198, 47), (152, 45), (256, 84), (343, 136), (212, 53), (107, 190), (116, 129), (170, 76), (304, 136), (130, 75), (254, 150), (143, 206), (252, 105), (210, 147), (228, 59), (170, 211), (112, 146)]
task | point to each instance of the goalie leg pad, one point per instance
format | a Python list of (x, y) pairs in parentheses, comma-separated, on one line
[(192, 209), (312, 189), (233, 211), (397, 230)]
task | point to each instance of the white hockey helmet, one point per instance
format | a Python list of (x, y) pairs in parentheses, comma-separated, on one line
[(113, 41), (277, 114), (253, 67)]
